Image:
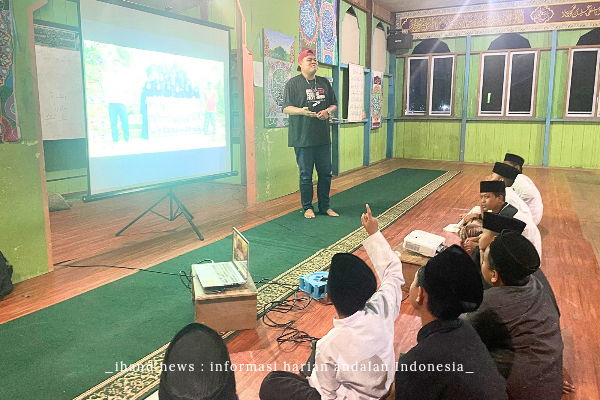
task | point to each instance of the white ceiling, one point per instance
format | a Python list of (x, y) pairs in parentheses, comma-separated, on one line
[(412, 5)]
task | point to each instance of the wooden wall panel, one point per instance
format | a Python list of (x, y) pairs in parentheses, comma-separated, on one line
[(351, 146), (488, 141), (382, 13), (58, 11), (428, 139), (574, 145), (378, 143)]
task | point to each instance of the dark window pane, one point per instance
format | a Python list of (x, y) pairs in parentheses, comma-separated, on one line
[(441, 91), (493, 83), (521, 83), (583, 78), (417, 87)]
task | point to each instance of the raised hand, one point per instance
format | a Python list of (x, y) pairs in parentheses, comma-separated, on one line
[(369, 222)]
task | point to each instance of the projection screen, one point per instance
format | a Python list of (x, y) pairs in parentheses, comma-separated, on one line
[(156, 97)]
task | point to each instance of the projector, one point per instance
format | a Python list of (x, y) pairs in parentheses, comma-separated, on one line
[(424, 243)]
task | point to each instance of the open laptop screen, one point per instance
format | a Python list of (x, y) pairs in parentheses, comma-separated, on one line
[(240, 252)]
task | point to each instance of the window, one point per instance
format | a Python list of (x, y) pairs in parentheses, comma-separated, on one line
[(492, 84), (430, 85), (521, 83), (582, 83), (442, 84), (507, 83), (416, 94)]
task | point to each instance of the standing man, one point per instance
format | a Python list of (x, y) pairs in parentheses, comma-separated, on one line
[(211, 97), (309, 100), (116, 95)]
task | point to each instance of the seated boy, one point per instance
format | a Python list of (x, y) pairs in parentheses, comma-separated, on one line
[(355, 360), (449, 361), (196, 347), (518, 321)]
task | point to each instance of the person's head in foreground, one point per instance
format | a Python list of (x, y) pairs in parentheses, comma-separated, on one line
[(208, 374), (307, 63), (493, 224), (492, 195), (514, 161), (505, 173), (350, 285), (447, 286), (509, 260)]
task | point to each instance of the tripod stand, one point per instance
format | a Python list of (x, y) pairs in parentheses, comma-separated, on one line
[(173, 214)]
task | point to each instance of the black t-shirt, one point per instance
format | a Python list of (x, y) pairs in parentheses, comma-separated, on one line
[(450, 362), (315, 94)]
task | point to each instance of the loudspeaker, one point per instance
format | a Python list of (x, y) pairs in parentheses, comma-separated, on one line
[(398, 42)]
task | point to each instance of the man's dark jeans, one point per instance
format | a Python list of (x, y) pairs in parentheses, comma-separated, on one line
[(118, 111), (318, 157)]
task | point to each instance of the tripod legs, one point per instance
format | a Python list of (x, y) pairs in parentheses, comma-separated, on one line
[(187, 215), (172, 198)]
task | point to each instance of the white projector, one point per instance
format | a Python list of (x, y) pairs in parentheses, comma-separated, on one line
[(424, 243)]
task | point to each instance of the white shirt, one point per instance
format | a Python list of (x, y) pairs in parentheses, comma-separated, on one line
[(514, 200), (530, 194), (115, 88), (511, 198), (356, 360), (531, 232)]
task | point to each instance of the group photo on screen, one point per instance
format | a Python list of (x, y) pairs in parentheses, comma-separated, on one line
[(141, 101)]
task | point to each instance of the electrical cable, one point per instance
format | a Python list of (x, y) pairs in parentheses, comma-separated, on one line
[(289, 334), (181, 274)]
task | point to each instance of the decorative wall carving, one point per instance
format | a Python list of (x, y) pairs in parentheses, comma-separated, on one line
[(519, 16)]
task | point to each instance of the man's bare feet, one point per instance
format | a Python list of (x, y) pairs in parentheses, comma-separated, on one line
[(309, 214), (568, 386), (332, 213)]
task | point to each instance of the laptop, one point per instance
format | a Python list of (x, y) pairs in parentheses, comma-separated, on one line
[(230, 273)]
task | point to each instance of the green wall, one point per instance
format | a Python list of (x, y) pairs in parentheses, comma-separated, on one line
[(276, 169), (574, 145), (351, 146), (571, 144), (58, 11), (22, 221), (488, 141), (432, 139)]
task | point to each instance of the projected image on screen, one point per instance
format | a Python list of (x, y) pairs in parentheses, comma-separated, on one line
[(141, 101), (156, 95)]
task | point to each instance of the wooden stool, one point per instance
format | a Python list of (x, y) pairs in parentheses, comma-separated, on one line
[(231, 310)]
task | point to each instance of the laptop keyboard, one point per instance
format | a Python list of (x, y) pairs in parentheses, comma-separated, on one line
[(225, 273)]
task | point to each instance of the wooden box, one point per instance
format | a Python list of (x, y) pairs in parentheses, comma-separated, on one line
[(231, 310)]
